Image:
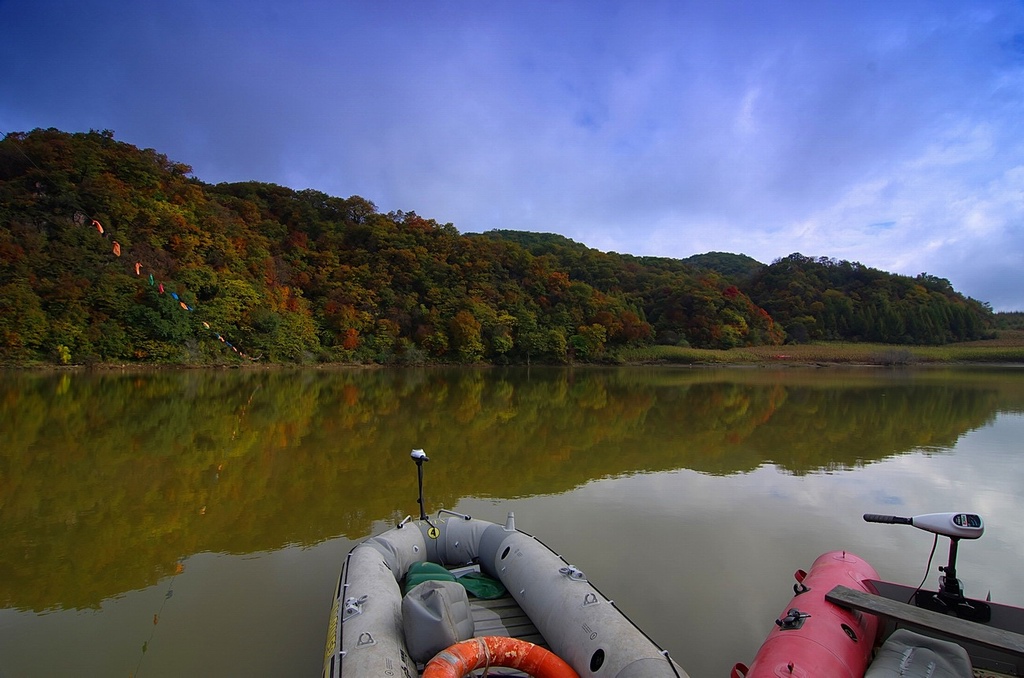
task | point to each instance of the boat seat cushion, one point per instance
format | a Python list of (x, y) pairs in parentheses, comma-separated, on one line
[(910, 655), (435, 614)]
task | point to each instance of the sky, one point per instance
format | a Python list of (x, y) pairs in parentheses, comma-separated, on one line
[(887, 133)]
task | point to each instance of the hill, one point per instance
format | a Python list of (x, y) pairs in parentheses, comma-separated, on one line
[(113, 253), (736, 267), (810, 298)]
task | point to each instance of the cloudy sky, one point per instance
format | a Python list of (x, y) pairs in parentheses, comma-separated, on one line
[(889, 133)]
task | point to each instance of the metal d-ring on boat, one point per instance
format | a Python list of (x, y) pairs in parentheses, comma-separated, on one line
[(376, 631)]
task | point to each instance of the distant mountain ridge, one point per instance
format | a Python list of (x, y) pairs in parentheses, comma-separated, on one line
[(736, 267)]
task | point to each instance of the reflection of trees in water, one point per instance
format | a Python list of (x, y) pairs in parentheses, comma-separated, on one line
[(846, 428), (106, 481)]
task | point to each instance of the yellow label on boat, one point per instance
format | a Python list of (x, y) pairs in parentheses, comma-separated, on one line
[(433, 532), (332, 632)]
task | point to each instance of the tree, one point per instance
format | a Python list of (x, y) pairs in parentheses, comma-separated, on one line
[(588, 342), (23, 323), (464, 331)]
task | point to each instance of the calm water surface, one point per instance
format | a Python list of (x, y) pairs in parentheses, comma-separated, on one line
[(194, 523)]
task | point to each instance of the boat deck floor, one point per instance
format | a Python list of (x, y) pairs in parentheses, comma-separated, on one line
[(502, 617)]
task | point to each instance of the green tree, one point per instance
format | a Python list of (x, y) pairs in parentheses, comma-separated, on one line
[(588, 342), (23, 323)]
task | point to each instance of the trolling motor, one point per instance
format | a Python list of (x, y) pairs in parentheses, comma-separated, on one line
[(419, 456), (950, 596)]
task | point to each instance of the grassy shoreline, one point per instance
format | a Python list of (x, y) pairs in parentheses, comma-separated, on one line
[(1006, 348)]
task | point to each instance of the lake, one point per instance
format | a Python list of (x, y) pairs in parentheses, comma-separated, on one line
[(190, 522)]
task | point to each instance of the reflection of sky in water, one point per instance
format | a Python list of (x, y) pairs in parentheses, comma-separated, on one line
[(693, 555)]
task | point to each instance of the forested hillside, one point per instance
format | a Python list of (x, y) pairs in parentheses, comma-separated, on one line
[(112, 253), (807, 299), (827, 299)]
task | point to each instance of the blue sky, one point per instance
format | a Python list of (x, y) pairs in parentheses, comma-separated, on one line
[(889, 133)]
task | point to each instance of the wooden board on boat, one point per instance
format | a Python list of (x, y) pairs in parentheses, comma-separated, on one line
[(911, 615)]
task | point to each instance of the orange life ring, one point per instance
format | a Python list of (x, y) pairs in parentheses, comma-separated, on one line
[(460, 659)]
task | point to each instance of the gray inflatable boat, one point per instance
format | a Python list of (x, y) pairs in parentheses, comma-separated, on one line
[(378, 629)]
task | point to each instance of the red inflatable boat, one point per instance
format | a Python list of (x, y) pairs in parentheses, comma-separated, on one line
[(814, 638)]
